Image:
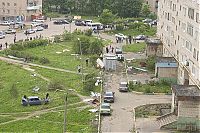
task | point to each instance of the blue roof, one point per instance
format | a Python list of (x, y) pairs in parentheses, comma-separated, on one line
[(168, 65)]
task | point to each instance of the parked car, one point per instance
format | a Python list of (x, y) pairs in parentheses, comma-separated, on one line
[(38, 20), (140, 37), (120, 35), (45, 26), (147, 20), (39, 28), (34, 100), (10, 31), (34, 24), (105, 109), (109, 97), (29, 31), (5, 23), (87, 22), (2, 35), (123, 86), (79, 23), (59, 22)]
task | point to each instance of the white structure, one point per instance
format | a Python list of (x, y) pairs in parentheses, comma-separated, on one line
[(179, 30), (19, 9), (110, 62)]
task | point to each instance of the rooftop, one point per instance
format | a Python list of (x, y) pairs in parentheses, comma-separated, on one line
[(153, 41), (165, 60), (186, 91)]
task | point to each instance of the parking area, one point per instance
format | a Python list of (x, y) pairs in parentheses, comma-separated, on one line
[(52, 30)]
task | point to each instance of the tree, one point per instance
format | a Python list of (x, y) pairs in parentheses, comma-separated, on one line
[(145, 11), (106, 17)]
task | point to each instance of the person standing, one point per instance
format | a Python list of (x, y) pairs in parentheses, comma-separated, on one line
[(14, 38), (6, 45), (1, 46)]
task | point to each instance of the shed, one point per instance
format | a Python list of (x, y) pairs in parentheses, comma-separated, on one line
[(186, 105), (154, 47), (110, 62), (166, 67)]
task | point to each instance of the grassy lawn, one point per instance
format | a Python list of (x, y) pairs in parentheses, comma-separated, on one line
[(9, 103), (137, 47), (132, 32)]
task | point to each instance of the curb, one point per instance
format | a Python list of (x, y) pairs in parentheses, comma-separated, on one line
[(142, 93)]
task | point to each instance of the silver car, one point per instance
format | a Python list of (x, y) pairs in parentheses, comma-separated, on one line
[(123, 86), (105, 109), (109, 97)]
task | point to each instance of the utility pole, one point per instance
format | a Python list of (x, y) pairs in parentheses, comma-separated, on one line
[(81, 59), (65, 115)]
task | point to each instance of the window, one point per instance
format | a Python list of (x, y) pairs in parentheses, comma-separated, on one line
[(197, 55), (193, 69), (190, 29), (189, 45), (196, 35), (3, 4), (197, 17), (191, 13), (15, 4), (194, 53), (183, 27), (184, 11), (174, 7), (8, 4), (173, 20), (8, 11)]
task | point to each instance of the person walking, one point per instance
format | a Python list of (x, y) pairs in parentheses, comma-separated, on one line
[(15, 38), (6, 44), (1, 46), (79, 68), (107, 50)]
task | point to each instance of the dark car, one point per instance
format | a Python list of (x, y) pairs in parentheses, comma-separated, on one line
[(34, 100), (80, 23), (60, 22), (141, 37), (109, 97)]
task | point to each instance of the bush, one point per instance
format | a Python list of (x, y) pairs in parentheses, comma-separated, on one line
[(29, 44), (67, 36), (151, 63), (89, 84), (57, 39), (88, 32), (55, 85), (120, 27), (44, 60)]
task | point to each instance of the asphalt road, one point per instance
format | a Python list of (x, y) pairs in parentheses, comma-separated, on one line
[(52, 30)]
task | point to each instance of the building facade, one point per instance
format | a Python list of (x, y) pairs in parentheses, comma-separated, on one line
[(19, 9), (179, 30), (153, 5)]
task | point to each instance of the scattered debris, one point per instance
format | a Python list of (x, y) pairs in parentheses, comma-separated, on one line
[(93, 110), (36, 89), (58, 52)]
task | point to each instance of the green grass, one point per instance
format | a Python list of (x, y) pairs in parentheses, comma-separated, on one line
[(136, 47), (77, 121), (5, 119), (133, 32), (158, 88)]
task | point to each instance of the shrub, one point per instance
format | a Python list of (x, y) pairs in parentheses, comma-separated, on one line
[(57, 39), (55, 85), (151, 63), (67, 36), (120, 27), (88, 32), (89, 83), (44, 60)]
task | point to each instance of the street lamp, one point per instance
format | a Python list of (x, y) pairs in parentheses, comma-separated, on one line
[(65, 114), (81, 58)]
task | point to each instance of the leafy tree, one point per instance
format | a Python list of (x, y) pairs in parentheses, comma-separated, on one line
[(145, 11), (96, 47), (106, 17)]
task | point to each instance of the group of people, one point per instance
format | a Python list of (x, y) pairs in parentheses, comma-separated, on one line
[(110, 49), (1, 46)]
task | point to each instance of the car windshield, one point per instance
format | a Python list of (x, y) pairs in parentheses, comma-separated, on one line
[(109, 94), (105, 107), (123, 85)]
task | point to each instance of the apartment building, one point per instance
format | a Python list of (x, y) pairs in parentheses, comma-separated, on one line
[(153, 5), (19, 9), (179, 30)]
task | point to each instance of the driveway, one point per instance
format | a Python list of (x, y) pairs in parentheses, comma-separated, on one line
[(122, 119)]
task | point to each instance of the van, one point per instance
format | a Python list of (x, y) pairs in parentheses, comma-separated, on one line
[(123, 86)]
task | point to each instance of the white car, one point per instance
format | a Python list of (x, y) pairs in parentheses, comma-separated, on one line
[(105, 109), (120, 35), (29, 31), (123, 86), (2, 35), (5, 23), (10, 31), (35, 24), (38, 20), (39, 28)]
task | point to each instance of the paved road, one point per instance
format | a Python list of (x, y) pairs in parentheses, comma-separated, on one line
[(122, 119), (52, 30)]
